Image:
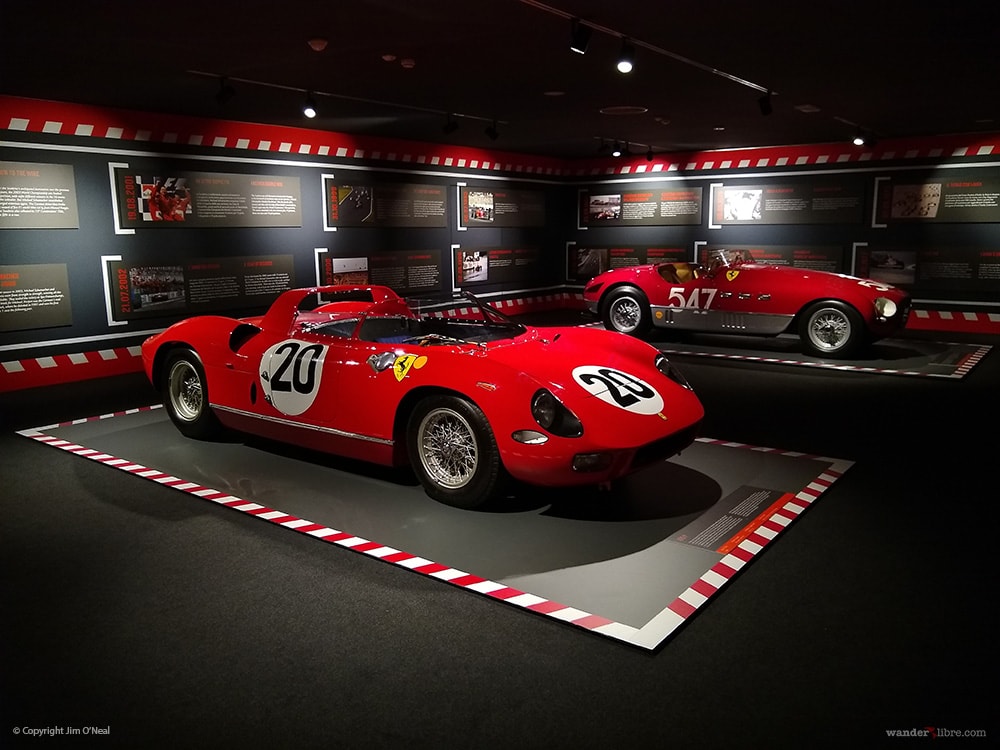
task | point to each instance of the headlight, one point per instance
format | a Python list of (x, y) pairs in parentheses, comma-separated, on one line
[(664, 366), (551, 415), (884, 307)]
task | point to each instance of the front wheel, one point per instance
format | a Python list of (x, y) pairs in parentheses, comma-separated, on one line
[(626, 310), (185, 396), (831, 329), (454, 452)]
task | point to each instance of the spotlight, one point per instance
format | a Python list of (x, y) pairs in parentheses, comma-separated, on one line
[(765, 104), (225, 93), (649, 154), (864, 139), (616, 150), (309, 107), (450, 126), (626, 57), (579, 37), (492, 132)]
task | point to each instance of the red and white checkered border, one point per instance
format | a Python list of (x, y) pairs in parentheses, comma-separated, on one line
[(725, 569), (61, 118), (649, 636)]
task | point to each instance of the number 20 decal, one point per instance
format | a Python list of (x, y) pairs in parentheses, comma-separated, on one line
[(290, 374), (619, 389)]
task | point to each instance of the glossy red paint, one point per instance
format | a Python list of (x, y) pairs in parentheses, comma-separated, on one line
[(345, 377), (834, 314)]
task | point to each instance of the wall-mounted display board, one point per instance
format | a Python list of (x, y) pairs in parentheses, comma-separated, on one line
[(384, 205), (815, 257), (195, 287), (952, 269), (37, 196), (957, 196), (500, 207), (34, 296), (171, 198), (836, 201), (405, 272), (655, 205), (585, 262), (489, 265)]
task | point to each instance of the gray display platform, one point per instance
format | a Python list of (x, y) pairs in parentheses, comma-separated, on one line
[(632, 563), (887, 357)]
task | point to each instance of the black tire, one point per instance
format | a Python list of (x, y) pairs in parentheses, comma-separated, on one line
[(831, 329), (185, 396), (626, 310), (453, 452)]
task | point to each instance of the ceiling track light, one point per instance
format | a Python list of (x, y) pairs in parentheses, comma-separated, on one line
[(616, 150), (579, 36), (309, 107), (226, 92), (450, 125), (491, 131), (626, 58), (862, 138), (764, 103)]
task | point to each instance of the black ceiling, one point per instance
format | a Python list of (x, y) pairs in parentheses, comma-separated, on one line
[(890, 68)]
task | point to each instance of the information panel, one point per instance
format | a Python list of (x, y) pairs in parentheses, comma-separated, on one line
[(198, 286), (585, 262), (403, 272), (815, 257), (206, 199), (37, 196), (493, 207), (938, 269), (837, 202), (34, 296), (484, 265), (963, 197), (655, 205), (384, 205)]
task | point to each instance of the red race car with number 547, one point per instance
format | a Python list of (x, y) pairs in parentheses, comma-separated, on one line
[(466, 396), (833, 314)]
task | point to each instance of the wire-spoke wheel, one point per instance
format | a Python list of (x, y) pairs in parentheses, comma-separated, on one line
[(627, 311), (185, 395), (831, 329), (453, 451)]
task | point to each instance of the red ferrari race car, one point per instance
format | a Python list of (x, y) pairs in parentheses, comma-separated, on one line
[(463, 394), (833, 314)]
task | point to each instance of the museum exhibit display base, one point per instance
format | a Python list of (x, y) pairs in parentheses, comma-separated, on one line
[(632, 562)]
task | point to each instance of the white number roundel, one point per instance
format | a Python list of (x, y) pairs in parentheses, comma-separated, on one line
[(619, 389), (290, 374)]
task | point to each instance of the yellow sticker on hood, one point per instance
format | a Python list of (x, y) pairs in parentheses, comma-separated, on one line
[(731, 275)]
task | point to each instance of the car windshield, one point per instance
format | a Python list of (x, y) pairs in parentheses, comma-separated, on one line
[(722, 257), (437, 321)]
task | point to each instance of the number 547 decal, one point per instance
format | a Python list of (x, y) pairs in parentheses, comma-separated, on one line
[(700, 299)]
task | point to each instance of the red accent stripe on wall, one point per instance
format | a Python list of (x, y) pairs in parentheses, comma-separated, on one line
[(60, 118)]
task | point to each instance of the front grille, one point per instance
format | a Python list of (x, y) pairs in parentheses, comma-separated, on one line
[(665, 447)]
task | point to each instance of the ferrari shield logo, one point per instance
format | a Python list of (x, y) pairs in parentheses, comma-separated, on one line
[(405, 362), (731, 275)]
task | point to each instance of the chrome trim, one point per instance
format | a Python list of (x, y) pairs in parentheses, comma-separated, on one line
[(314, 428)]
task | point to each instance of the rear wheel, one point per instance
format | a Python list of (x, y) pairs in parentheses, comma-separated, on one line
[(185, 396), (454, 452), (831, 329), (626, 310)]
